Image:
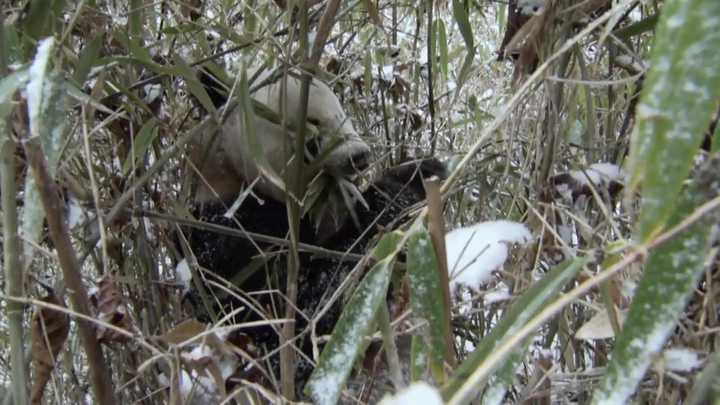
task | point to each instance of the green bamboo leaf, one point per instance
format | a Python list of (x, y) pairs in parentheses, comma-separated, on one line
[(248, 121), (707, 385), (501, 16), (40, 18), (8, 86), (355, 323), (673, 114), (194, 85), (426, 297), (418, 358), (135, 19), (47, 113), (442, 47), (13, 49), (367, 76), (669, 279), (637, 28), (523, 309), (387, 245), (88, 56), (143, 140), (460, 13)]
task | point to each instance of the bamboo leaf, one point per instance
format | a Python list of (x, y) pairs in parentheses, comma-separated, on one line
[(442, 47), (707, 385), (426, 297), (526, 307), (143, 140), (194, 85), (355, 323), (460, 13), (673, 114), (88, 56), (670, 277), (47, 113), (8, 86), (251, 137)]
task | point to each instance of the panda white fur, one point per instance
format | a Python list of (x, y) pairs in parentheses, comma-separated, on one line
[(226, 161)]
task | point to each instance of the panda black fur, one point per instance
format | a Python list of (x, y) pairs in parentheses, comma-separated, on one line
[(388, 199)]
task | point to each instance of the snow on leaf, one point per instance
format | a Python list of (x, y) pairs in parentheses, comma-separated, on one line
[(681, 359), (474, 252), (420, 393), (355, 323), (183, 274)]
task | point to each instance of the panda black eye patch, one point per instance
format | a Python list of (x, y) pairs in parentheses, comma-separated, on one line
[(314, 121)]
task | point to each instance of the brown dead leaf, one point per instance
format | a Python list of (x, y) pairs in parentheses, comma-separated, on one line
[(110, 306), (48, 332), (183, 331)]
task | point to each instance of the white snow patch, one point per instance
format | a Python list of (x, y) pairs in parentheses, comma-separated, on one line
[(419, 393), (599, 173), (38, 70), (76, 213), (474, 252), (183, 274), (387, 72), (681, 359), (500, 294)]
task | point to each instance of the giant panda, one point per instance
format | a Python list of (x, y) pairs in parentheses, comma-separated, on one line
[(259, 266)]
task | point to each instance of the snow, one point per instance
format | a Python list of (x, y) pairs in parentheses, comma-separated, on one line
[(681, 359), (474, 252), (38, 71), (183, 274), (500, 294), (419, 393), (387, 72), (599, 173), (75, 213)]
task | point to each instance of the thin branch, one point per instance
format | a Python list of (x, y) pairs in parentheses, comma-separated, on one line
[(99, 369)]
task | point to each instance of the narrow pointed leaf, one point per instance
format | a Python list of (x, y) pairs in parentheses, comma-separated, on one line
[(356, 322), (143, 140), (526, 307), (426, 297), (463, 21), (47, 113), (678, 98), (669, 279)]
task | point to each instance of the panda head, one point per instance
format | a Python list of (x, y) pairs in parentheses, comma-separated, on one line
[(227, 162), (340, 149)]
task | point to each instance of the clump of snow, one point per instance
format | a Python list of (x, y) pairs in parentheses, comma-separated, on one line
[(419, 393), (599, 173), (499, 294), (38, 70), (681, 359), (474, 252), (183, 274)]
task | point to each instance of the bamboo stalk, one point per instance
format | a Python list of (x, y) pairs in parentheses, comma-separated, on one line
[(11, 251), (13, 272)]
